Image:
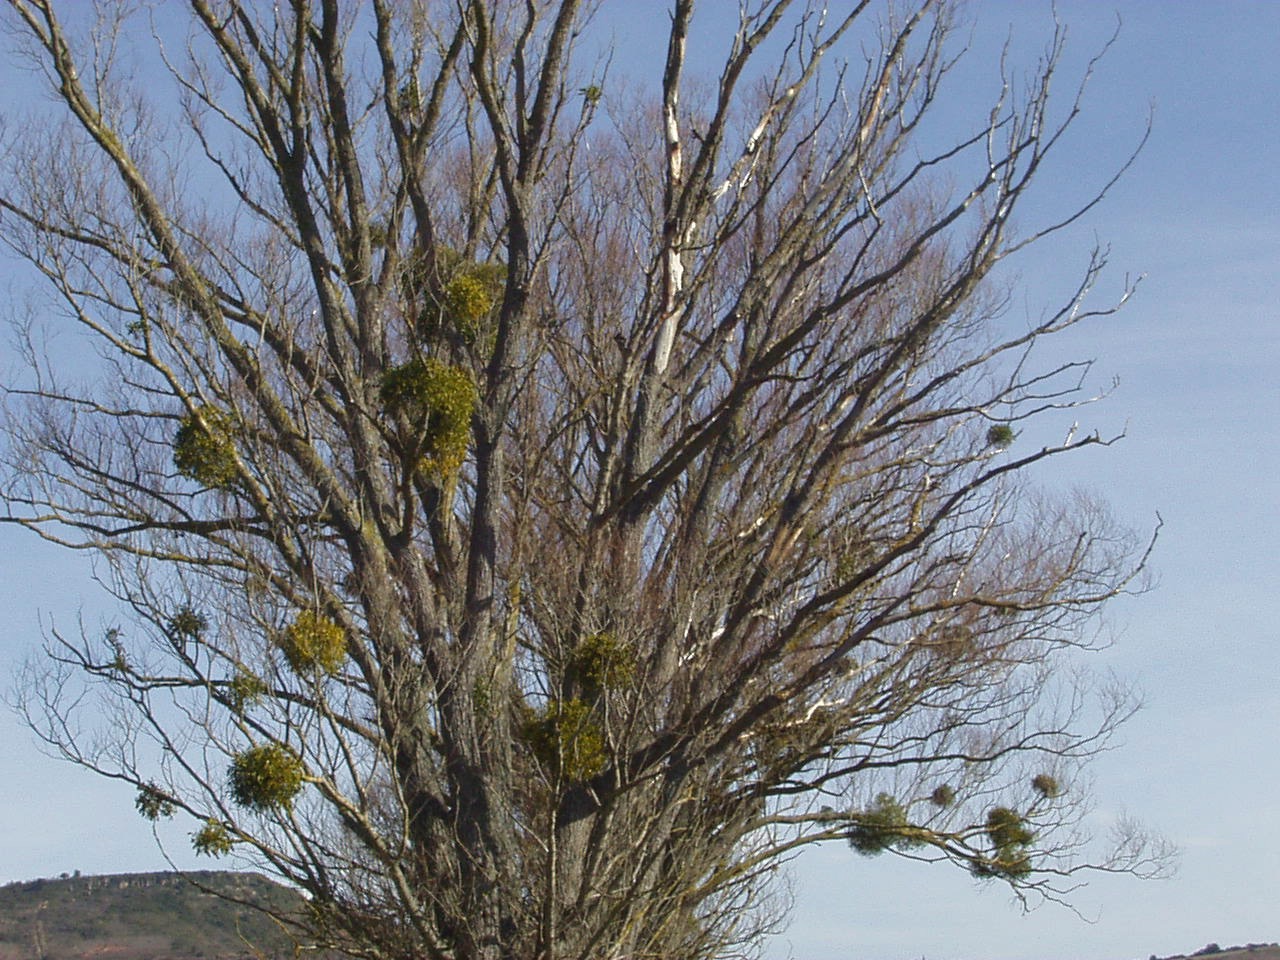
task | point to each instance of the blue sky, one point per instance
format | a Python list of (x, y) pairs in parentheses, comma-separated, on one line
[(1196, 354)]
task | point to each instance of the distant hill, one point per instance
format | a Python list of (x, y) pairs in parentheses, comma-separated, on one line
[(173, 916), (149, 916), (1250, 951)]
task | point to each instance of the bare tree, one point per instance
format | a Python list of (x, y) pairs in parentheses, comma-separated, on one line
[(540, 509)]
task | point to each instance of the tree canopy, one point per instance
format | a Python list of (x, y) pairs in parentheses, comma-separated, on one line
[(541, 501)]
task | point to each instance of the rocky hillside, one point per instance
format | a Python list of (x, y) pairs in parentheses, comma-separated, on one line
[(143, 917), (170, 916), (1249, 951)]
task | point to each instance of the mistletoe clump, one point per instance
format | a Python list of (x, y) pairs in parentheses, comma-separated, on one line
[(470, 293), (943, 796), (203, 449), (266, 777), (602, 662), (468, 301), (213, 839), (188, 624), (458, 294), (1046, 785), (244, 690), (882, 826), (438, 400), (1010, 837), (313, 642), (954, 642), (153, 803), (1000, 436), (566, 740)]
